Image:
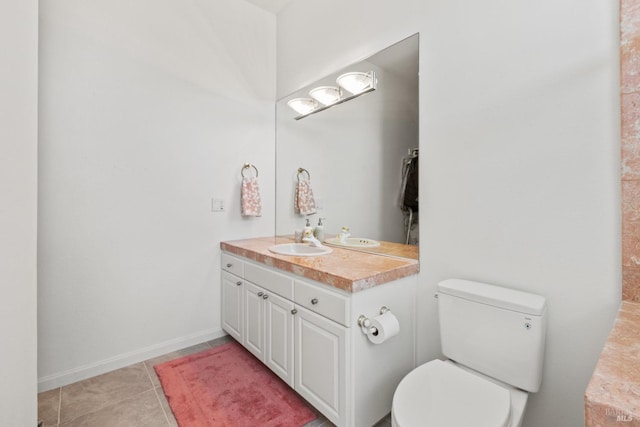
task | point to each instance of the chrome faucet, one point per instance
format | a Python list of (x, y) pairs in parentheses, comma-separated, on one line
[(312, 241), (344, 233)]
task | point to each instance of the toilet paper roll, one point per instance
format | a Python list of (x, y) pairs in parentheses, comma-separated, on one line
[(383, 327)]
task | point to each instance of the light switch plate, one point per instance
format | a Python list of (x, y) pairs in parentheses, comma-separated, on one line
[(217, 205)]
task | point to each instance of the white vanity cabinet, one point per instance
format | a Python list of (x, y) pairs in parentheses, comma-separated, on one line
[(254, 324), (307, 333), (321, 348), (268, 332), (320, 363), (232, 304), (257, 316), (279, 337)]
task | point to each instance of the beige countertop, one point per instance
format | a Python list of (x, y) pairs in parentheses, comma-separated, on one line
[(392, 249), (345, 269), (613, 394)]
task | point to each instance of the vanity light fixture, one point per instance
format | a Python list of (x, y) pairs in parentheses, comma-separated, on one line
[(354, 83), (326, 95), (357, 82), (303, 105)]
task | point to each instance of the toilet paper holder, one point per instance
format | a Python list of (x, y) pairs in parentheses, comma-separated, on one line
[(365, 323)]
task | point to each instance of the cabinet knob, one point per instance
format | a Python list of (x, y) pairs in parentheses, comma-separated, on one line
[(260, 294), (314, 301), (265, 296), (238, 283), (229, 265), (294, 311)]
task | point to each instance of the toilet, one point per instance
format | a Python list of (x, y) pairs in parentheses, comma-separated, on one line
[(493, 339)]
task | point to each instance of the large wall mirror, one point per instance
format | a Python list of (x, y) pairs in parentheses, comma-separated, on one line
[(360, 156)]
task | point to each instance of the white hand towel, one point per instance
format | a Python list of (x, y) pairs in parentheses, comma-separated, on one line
[(250, 204), (303, 202)]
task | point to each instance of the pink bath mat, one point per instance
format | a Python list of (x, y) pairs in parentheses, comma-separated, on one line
[(228, 386)]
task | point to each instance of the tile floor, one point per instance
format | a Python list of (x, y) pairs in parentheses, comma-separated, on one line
[(127, 397)]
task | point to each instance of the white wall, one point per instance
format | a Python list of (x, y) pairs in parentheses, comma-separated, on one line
[(519, 148), (18, 210), (147, 111)]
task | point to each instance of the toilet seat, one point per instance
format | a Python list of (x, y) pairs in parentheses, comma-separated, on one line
[(440, 394)]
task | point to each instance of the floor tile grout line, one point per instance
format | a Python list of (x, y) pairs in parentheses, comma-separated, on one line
[(166, 417), (99, 408), (146, 369), (59, 404), (155, 390)]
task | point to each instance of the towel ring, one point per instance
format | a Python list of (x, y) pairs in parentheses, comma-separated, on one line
[(301, 171), (247, 166)]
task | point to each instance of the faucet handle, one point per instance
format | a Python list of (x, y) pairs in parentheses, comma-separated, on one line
[(312, 241)]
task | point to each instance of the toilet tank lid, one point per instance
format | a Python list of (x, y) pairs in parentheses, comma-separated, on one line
[(497, 296)]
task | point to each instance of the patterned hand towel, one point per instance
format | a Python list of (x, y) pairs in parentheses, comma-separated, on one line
[(250, 203), (303, 202)]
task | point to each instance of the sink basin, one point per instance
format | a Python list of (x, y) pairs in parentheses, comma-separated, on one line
[(299, 249), (353, 242)]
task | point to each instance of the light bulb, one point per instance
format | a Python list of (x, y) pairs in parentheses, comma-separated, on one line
[(303, 105), (326, 95)]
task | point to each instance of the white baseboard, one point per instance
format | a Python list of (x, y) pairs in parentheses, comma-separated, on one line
[(91, 370)]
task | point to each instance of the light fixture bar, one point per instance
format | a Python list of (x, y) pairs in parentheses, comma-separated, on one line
[(342, 100)]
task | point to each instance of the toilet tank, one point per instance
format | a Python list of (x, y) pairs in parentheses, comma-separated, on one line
[(497, 331)]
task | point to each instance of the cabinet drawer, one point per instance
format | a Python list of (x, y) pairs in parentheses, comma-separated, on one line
[(322, 301), (232, 264), (270, 280)]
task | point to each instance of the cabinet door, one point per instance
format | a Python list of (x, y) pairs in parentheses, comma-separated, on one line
[(253, 337), (320, 363), (232, 313), (279, 336)]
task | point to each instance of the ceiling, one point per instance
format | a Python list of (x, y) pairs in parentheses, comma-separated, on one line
[(272, 6)]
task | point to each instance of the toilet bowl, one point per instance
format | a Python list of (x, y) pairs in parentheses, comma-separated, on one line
[(493, 338), (442, 393)]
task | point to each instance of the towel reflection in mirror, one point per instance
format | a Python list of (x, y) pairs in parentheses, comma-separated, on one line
[(303, 201)]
